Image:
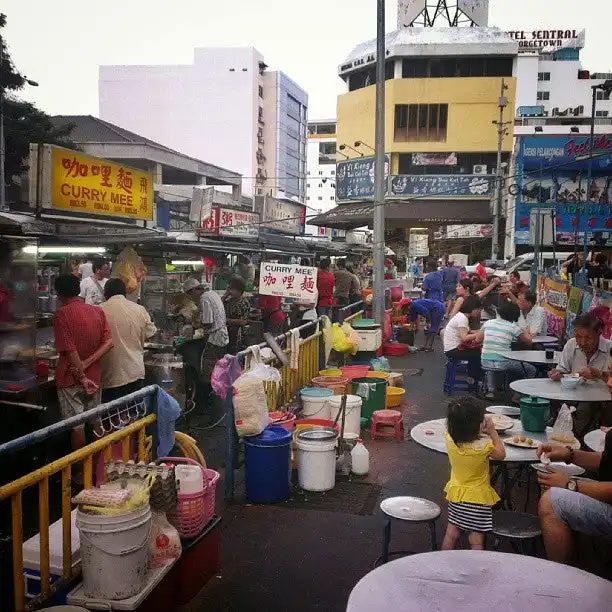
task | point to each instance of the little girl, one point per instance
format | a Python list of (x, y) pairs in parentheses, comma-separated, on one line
[(469, 493)]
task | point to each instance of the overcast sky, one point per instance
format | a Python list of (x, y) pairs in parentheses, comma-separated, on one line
[(61, 43)]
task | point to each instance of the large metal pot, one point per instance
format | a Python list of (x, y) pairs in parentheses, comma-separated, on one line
[(166, 370)]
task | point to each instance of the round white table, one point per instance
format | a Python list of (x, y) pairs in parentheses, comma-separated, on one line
[(544, 339), (596, 440), (587, 391), (532, 357), (514, 454), (479, 581)]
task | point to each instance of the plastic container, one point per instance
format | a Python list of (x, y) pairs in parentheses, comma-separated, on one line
[(336, 383), (190, 478), (395, 349), (395, 396), (286, 420), (360, 459), (377, 374), (193, 510), (330, 372), (355, 371), (365, 324), (352, 418), (31, 559), (369, 339), (373, 394), (268, 466), (315, 402), (114, 553), (535, 413), (317, 459)]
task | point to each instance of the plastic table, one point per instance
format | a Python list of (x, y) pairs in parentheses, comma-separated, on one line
[(514, 454), (588, 391), (479, 581), (532, 357), (596, 440)]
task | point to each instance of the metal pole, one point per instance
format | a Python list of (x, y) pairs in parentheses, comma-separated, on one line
[(583, 280), (498, 196), (379, 170), (2, 143)]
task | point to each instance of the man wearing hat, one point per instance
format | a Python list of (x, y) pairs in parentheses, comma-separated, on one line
[(210, 317)]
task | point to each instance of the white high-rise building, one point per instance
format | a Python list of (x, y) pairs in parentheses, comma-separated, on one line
[(225, 107), (321, 172)]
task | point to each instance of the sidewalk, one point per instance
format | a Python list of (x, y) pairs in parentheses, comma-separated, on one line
[(277, 559)]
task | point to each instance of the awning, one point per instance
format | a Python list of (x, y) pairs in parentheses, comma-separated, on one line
[(405, 212), (21, 224)]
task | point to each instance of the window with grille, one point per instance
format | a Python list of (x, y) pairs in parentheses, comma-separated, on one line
[(421, 122)]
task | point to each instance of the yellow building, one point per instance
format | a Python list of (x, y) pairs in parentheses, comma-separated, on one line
[(442, 99)]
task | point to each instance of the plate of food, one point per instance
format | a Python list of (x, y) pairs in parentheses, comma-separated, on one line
[(565, 440), (505, 410), (502, 422), (521, 441), (569, 469)]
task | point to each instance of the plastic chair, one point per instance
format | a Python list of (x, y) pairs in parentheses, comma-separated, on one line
[(387, 418), (414, 510), (519, 528), (451, 382)]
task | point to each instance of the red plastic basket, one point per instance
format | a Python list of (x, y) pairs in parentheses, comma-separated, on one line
[(395, 349), (193, 511)]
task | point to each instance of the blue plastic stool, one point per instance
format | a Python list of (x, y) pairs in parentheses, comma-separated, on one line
[(451, 383)]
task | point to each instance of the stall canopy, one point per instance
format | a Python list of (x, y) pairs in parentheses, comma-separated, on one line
[(401, 214), (23, 225)]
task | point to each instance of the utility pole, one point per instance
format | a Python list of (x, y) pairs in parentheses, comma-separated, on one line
[(2, 143), (497, 201), (379, 169)]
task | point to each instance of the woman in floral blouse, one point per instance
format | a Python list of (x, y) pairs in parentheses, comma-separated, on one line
[(237, 310)]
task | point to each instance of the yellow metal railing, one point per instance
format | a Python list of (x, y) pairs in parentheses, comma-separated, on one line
[(357, 316), (14, 492)]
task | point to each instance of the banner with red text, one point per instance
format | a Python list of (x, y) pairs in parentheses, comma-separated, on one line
[(289, 281)]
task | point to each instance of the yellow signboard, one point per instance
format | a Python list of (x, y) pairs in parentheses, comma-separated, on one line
[(86, 184)]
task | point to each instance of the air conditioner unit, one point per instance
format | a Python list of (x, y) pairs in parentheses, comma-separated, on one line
[(479, 169)]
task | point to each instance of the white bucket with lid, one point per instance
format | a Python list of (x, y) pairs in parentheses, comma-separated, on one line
[(317, 459), (315, 402), (352, 418), (114, 553)]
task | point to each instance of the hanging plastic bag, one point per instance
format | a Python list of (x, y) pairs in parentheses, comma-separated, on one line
[(258, 370), (352, 334), (250, 406), (563, 429), (342, 343), (226, 370), (380, 364), (164, 541), (130, 268)]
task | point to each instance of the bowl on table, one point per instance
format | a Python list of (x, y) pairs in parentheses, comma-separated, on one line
[(570, 381)]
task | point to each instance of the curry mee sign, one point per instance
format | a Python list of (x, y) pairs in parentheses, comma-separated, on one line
[(288, 281)]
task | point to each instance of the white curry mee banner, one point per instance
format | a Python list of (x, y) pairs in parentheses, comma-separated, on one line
[(289, 281)]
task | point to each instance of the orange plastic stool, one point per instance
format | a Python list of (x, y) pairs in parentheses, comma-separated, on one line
[(387, 418)]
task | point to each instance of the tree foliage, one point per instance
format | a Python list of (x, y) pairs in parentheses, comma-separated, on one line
[(23, 122)]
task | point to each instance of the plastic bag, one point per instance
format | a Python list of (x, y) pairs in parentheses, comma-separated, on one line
[(226, 370), (563, 429), (380, 364), (342, 343), (352, 334), (130, 268), (250, 406), (164, 541), (259, 370)]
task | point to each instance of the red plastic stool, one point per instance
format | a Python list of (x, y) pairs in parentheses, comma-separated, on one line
[(385, 418)]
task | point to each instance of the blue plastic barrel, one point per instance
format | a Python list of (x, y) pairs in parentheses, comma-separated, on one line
[(268, 465)]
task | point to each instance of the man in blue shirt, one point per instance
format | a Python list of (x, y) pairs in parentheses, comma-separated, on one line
[(434, 312)]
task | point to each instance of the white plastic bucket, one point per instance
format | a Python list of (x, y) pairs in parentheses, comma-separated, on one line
[(114, 553), (317, 459), (352, 418), (315, 403)]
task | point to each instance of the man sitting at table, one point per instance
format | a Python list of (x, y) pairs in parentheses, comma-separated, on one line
[(587, 354), (571, 505), (532, 316)]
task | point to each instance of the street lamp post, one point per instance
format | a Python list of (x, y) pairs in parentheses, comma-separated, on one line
[(2, 140), (606, 87)]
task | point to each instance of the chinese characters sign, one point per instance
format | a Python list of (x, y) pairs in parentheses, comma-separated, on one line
[(289, 281), (355, 178), (283, 216), (442, 185), (86, 184), (231, 222)]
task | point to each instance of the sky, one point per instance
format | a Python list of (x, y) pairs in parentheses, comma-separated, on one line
[(61, 43)]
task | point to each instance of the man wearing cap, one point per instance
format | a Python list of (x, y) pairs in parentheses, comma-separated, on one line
[(211, 317)]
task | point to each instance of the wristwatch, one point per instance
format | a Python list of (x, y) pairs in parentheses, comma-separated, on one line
[(572, 484)]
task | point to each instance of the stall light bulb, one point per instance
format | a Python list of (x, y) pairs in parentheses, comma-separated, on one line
[(187, 263)]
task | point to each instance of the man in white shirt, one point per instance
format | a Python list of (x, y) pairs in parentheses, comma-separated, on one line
[(85, 269), (123, 368), (92, 287), (533, 317)]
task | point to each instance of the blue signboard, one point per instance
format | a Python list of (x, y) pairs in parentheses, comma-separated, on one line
[(552, 172), (442, 185), (355, 178)]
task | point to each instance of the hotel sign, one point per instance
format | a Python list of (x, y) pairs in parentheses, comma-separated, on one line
[(547, 40)]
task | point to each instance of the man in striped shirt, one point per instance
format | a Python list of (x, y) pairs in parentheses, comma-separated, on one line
[(498, 336)]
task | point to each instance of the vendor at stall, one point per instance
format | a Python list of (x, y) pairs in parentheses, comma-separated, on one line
[(237, 311), (92, 287), (245, 269), (123, 370)]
